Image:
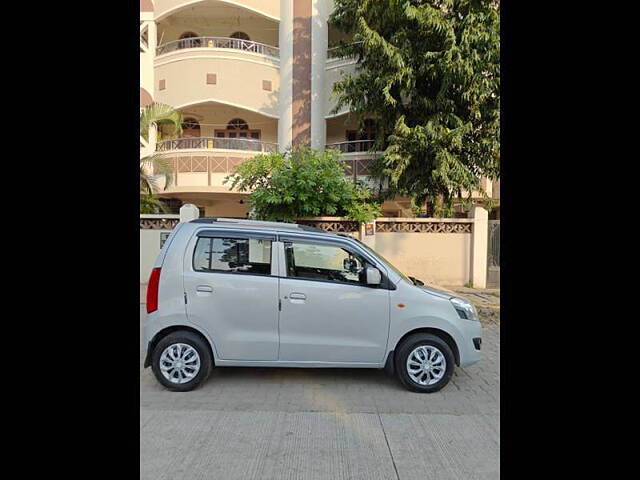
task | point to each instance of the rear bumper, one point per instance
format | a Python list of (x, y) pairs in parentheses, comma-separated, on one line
[(147, 358)]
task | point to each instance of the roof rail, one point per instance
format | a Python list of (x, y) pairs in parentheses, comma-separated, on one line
[(259, 223)]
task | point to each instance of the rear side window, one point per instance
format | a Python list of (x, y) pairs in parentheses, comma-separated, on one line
[(235, 255)]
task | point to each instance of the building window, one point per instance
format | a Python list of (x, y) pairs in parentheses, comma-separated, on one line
[(237, 123), (190, 127), (238, 128), (363, 139), (189, 40), (240, 36)]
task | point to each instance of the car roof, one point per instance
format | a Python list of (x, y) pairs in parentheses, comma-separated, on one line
[(262, 225)]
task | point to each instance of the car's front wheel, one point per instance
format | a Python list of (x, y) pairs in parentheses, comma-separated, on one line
[(424, 363), (181, 361)]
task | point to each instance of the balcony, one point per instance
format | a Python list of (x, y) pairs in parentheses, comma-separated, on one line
[(216, 138), (336, 53), (357, 157), (215, 143), (219, 42), (338, 63), (218, 51), (184, 77), (336, 67), (203, 170), (354, 146), (267, 9)]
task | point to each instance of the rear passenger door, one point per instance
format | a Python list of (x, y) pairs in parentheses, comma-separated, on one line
[(232, 294)]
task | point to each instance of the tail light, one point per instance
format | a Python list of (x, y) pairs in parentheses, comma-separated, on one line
[(152, 290)]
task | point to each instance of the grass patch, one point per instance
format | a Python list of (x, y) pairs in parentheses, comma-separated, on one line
[(489, 315)]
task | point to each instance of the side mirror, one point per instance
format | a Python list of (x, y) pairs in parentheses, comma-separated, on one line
[(373, 276)]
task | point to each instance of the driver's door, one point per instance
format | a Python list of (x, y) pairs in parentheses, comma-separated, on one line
[(328, 313)]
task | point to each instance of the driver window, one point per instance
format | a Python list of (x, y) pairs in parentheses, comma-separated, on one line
[(324, 262)]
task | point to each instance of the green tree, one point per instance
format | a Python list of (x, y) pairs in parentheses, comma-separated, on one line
[(159, 114), (149, 183), (428, 72), (155, 114), (151, 204), (302, 183)]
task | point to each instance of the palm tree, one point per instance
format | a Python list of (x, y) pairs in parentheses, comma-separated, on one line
[(159, 113), (150, 117)]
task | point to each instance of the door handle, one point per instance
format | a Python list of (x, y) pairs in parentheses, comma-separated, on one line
[(204, 288), (297, 296)]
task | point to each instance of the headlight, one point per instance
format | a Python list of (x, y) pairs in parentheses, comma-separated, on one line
[(465, 309)]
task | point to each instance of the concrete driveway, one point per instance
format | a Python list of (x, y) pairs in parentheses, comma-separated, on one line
[(270, 423)]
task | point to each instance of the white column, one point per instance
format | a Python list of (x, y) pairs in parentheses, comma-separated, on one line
[(189, 212), (153, 37), (487, 184), (285, 99), (369, 240), (148, 53), (320, 10), (479, 246), (147, 77)]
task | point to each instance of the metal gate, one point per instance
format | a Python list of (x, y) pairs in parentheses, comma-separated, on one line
[(493, 257)]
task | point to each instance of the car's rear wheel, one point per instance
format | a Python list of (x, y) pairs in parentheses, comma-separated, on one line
[(181, 361), (424, 363)]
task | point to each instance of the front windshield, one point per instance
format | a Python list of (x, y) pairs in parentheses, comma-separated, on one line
[(386, 262)]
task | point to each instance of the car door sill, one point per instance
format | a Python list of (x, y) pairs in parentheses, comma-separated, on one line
[(290, 364)]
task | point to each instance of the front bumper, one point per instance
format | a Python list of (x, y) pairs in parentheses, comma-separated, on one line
[(471, 343)]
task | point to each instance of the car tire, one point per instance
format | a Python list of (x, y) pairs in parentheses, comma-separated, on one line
[(431, 366), (181, 361)]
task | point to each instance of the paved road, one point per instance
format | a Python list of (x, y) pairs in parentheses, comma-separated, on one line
[(270, 423)]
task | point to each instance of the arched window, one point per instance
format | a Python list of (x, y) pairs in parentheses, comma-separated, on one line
[(189, 40), (241, 41), (240, 36), (237, 124), (238, 128), (190, 127)]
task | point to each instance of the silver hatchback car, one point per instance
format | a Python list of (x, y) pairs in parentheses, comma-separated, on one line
[(244, 293)]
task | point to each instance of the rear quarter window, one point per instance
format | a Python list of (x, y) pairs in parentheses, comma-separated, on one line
[(232, 255)]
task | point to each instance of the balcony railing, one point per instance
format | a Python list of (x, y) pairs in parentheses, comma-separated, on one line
[(219, 42), (337, 52), (210, 143), (353, 146)]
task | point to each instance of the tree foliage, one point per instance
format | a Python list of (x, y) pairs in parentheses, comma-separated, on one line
[(302, 183), (428, 72), (155, 114), (159, 114), (151, 204), (160, 167)]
